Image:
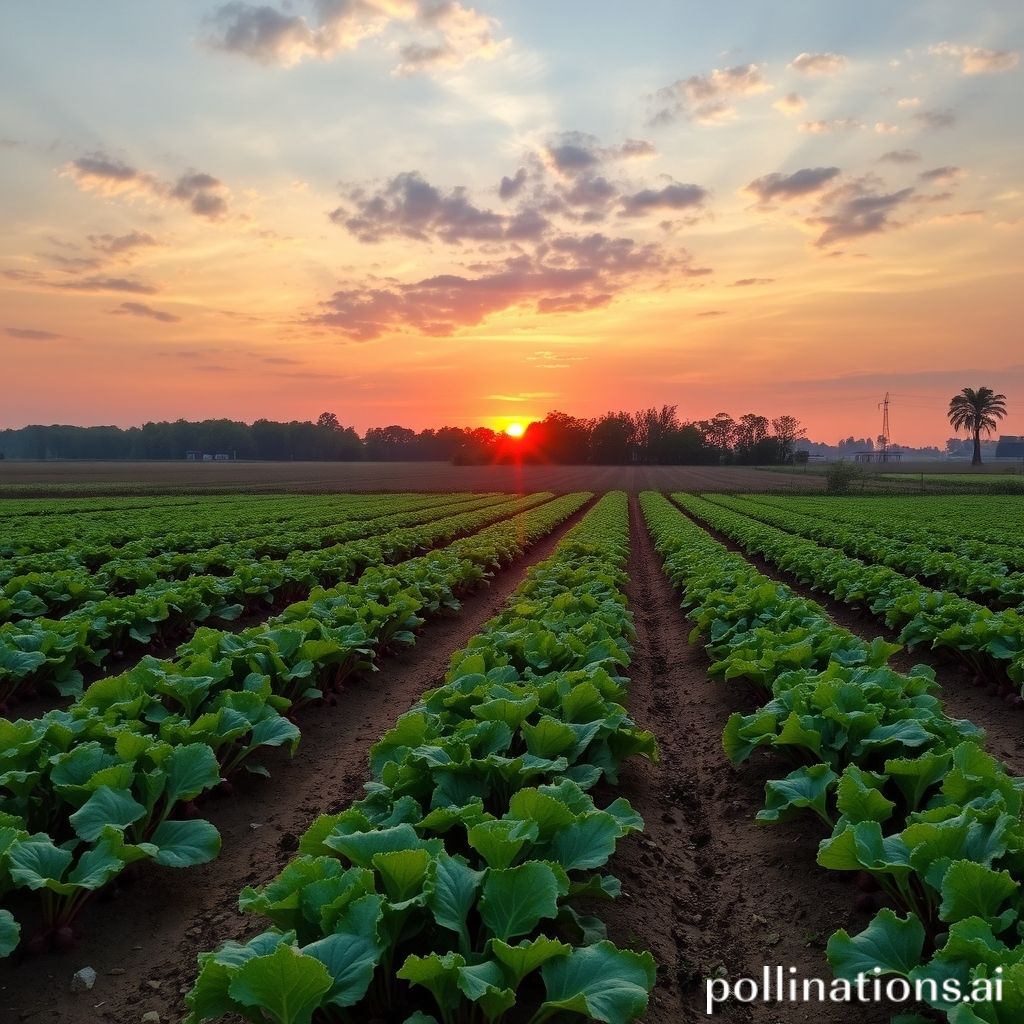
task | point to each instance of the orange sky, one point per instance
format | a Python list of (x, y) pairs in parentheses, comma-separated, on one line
[(477, 214)]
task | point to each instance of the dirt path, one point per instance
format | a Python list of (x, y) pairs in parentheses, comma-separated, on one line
[(143, 945), (984, 706), (706, 887)]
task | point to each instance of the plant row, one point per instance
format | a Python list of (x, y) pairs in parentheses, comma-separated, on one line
[(985, 579), (54, 592), (448, 893), (87, 792), (101, 528), (54, 651), (913, 803), (187, 530), (987, 529), (991, 643)]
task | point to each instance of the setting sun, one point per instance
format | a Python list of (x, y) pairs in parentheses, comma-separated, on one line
[(515, 430)]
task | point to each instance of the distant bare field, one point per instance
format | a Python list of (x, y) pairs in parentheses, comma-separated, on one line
[(29, 479)]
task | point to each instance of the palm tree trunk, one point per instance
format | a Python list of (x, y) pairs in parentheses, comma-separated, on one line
[(976, 460)]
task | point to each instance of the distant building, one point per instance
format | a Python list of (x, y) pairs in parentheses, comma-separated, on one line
[(196, 456), (879, 455), (1010, 447)]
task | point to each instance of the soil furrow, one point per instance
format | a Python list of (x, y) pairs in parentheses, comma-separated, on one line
[(706, 887), (143, 943)]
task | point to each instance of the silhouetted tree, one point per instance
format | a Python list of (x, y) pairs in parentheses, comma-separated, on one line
[(976, 411), (787, 430)]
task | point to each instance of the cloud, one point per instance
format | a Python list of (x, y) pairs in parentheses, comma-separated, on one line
[(205, 195), (844, 124), (574, 153), (118, 245), (265, 34), (141, 309), (575, 303), (856, 209), (886, 128), (569, 272), (459, 34), (411, 207), (706, 99), (712, 313), (511, 187), (942, 175), (524, 396), (900, 156), (100, 173), (746, 282), (779, 186), (107, 284), (74, 264), (671, 197), (908, 103), (565, 180), (818, 63), (571, 154), (631, 149), (446, 35), (791, 104), (935, 120), (32, 334), (202, 193), (594, 192), (977, 60)]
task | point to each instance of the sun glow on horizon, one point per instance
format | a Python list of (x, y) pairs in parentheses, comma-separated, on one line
[(515, 430)]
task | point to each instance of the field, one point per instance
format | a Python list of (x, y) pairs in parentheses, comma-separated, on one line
[(41, 479), (556, 750)]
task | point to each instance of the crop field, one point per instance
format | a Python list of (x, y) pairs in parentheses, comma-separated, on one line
[(22, 479), (509, 755)]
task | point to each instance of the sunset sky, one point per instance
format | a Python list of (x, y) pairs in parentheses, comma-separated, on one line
[(428, 212)]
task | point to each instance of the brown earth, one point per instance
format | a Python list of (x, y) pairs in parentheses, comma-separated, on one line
[(705, 887), (44, 479), (143, 944)]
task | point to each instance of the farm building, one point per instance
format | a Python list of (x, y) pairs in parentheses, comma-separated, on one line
[(1010, 447)]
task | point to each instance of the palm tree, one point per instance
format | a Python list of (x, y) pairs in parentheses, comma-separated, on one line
[(976, 411)]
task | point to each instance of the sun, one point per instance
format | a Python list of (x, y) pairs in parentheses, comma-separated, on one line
[(515, 430)]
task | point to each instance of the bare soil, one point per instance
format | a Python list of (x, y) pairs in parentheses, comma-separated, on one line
[(46, 479), (705, 887), (143, 944)]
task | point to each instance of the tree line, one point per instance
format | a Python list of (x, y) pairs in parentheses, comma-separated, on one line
[(654, 435)]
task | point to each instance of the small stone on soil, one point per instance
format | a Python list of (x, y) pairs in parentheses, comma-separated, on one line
[(83, 980)]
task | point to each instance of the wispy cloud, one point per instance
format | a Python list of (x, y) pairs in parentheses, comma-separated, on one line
[(842, 124), (142, 310), (202, 193), (858, 208), (106, 284), (772, 187), (818, 63), (791, 104), (710, 98), (438, 34), (32, 334), (900, 156), (935, 120), (976, 60)]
